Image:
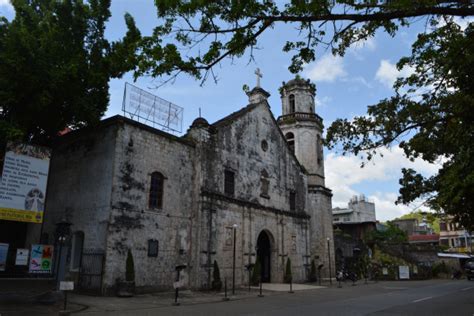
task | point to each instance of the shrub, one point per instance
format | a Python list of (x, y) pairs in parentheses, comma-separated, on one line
[(312, 272), (439, 268), (256, 272), (129, 268), (216, 275), (288, 276)]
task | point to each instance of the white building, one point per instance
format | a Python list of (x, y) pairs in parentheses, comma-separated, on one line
[(359, 210)]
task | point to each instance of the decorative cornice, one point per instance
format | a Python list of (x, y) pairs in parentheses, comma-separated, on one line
[(316, 188), (300, 117), (221, 197)]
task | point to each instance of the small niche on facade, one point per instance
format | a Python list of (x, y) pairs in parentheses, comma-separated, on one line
[(264, 145), (264, 184)]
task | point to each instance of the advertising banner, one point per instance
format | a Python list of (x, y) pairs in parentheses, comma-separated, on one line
[(41, 260), (21, 257), (3, 256), (23, 183)]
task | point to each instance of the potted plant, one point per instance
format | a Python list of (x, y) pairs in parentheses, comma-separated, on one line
[(256, 272), (288, 275), (312, 272), (216, 282), (127, 288)]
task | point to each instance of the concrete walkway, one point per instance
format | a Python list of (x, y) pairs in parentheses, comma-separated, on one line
[(285, 287), (84, 304), (165, 299)]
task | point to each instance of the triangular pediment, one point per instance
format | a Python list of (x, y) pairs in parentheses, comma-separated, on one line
[(255, 124)]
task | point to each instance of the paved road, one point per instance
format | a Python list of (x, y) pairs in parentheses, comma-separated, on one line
[(438, 297)]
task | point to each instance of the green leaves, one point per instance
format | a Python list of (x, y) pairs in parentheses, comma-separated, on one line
[(237, 25), (430, 117), (55, 65)]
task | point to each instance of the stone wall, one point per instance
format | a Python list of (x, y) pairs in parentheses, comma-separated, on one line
[(288, 237), (320, 205), (139, 152), (236, 144), (101, 182), (80, 182)]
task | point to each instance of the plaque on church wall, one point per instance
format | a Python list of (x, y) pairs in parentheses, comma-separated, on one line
[(293, 244), (228, 236)]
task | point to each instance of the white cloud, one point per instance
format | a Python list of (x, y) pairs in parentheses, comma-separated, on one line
[(322, 102), (5, 3), (387, 73), (329, 68), (385, 207), (463, 22), (368, 44), (356, 83), (344, 174), (357, 49)]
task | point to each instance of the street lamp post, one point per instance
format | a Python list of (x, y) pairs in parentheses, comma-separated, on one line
[(62, 233), (329, 259), (234, 228)]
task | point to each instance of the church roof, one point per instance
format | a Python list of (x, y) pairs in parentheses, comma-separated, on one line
[(200, 122), (229, 119), (298, 82), (114, 120), (233, 116)]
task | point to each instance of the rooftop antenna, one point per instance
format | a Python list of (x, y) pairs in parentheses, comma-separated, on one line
[(200, 112)]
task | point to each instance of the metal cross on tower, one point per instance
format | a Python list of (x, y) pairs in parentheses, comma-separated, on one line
[(259, 75)]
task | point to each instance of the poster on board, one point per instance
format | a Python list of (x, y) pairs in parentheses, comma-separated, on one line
[(22, 257), (23, 181), (3, 256), (404, 272), (41, 259)]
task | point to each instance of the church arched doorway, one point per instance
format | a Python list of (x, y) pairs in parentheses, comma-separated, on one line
[(264, 252)]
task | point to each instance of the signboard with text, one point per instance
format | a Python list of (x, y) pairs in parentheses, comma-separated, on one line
[(23, 183), (41, 259), (3, 256), (66, 286), (404, 272)]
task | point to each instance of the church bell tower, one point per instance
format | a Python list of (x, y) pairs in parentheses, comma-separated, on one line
[(302, 127), (303, 130)]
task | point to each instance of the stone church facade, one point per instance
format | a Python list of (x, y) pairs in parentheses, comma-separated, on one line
[(179, 201)]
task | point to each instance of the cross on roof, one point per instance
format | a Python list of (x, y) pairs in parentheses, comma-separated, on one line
[(259, 75)]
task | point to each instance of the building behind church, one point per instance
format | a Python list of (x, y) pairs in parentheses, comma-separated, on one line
[(179, 201)]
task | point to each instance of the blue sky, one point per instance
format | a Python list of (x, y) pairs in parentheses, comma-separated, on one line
[(345, 86)]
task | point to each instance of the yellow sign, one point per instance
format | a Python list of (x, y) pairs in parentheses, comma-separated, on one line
[(23, 182), (10, 214)]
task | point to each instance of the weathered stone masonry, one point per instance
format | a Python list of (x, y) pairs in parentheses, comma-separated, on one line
[(100, 182)]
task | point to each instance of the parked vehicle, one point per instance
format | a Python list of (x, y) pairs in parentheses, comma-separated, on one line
[(344, 275), (469, 269)]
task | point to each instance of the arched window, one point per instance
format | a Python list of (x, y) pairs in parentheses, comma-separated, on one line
[(290, 140), (291, 100), (229, 182), (264, 184), (292, 200), (156, 190), (76, 251)]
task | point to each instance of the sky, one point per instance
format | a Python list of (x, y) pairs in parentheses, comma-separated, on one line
[(345, 87)]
